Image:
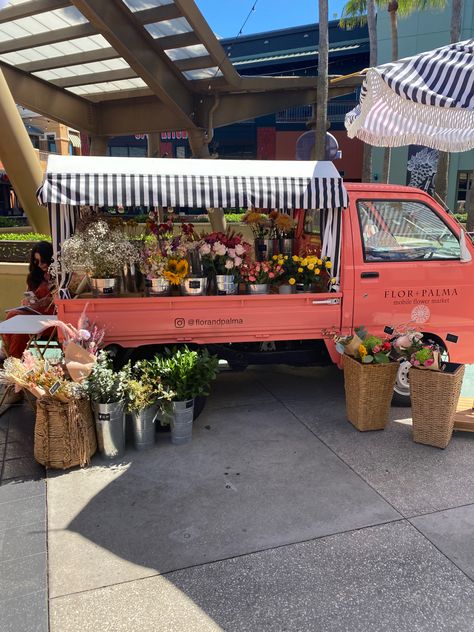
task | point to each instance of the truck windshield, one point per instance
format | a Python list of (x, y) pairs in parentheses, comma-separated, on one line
[(404, 230)]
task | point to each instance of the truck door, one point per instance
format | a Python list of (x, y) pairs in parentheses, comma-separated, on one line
[(407, 268)]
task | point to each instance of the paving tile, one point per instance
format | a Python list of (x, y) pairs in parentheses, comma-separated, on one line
[(237, 389), (15, 450), (414, 478), (22, 576), (25, 467), (24, 511), (378, 579), (27, 613), (452, 531), (17, 488), (22, 541), (252, 478)]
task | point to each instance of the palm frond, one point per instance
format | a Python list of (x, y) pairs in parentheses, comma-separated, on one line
[(354, 14), (407, 7)]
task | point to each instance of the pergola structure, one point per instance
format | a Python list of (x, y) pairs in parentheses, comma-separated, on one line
[(119, 67)]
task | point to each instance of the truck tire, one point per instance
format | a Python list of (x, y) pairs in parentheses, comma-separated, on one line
[(401, 390)]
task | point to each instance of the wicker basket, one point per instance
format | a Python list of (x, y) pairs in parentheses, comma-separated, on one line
[(369, 390), (64, 433), (434, 397)]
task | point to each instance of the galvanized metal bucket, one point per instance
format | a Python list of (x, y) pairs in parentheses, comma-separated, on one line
[(110, 428), (180, 416), (257, 288), (194, 286), (286, 288), (143, 424), (107, 288), (286, 246), (158, 287), (226, 284), (263, 249)]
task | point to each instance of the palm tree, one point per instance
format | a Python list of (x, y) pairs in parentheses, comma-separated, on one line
[(355, 8), (442, 171), (322, 82), (358, 13)]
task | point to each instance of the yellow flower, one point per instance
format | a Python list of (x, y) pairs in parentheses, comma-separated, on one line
[(295, 258), (182, 267), (320, 263), (333, 280), (300, 270), (328, 265), (285, 257), (291, 281), (173, 278), (362, 351), (311, 266), (317, 271), (304, 263), (275, 257)]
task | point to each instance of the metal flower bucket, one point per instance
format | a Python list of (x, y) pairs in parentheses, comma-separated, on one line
[(158, 287), (143, 424), (194, 286), (227, 284), (110, 428), (263, 249), (104, 288), (286, 246), (258, 288), (286, 288), (180, 416)]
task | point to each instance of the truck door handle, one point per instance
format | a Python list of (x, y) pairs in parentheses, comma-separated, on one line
[(369, 275)]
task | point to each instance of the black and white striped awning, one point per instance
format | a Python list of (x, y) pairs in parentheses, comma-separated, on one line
[(427, 99), (104, 181)]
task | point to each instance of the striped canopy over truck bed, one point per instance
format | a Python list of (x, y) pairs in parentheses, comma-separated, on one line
[(72, 182)]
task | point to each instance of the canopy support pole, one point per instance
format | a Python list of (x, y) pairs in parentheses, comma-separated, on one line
[(21, 160), (98, 145)]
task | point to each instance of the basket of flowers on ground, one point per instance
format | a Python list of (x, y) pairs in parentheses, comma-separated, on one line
[(435, 388), (369, 378)]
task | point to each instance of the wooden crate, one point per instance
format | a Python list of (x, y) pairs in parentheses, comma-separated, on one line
[(464, 417)]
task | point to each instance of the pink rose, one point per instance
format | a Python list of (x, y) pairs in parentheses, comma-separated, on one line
[(205, 249), (239, 250), (231, 253), (429, 362), (416, 363), (219, 248), (377, 349), (238, 262), (272, 275), (229, 264), (252, 279)]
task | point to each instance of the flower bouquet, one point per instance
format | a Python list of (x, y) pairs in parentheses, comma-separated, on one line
[(435, 388), (260, 274), (306, 273), (263, 231), (223, 256), (102, 252), (284, 228), (369, 378)]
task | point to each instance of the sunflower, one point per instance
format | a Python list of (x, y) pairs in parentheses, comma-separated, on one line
[(176, 271)]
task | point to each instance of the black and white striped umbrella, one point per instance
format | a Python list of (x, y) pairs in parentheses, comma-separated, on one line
[(427, 99)]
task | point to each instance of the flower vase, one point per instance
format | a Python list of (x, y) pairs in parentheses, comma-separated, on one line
[(194, 286), (263, 249), (286, 288), (158, 286), (104, 288), (110, 428), (180, 414), (304, 288), (226, 284), (143, 424), (257, 288), (285, 245)]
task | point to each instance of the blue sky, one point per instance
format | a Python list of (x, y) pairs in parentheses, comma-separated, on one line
[(227, 16)]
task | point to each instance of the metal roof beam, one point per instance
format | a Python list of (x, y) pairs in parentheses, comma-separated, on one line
[(41, 97), (115, 22), (137, 116), (195, 63)]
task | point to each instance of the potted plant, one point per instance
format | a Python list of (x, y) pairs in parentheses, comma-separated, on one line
[(259, 275), (145, 392), (223, 256), (107, 389), (186, 375), (284, 228), (435, 387), (369, 378), (102, 252), (263, 232)]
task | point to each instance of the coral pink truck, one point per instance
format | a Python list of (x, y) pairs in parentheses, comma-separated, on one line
[(402, 259)]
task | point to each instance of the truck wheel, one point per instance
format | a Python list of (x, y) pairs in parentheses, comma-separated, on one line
[(401, 390)]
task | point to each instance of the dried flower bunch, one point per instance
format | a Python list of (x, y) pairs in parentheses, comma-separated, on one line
[(283, 225), (86, 334), (101, 250), (260, 224)]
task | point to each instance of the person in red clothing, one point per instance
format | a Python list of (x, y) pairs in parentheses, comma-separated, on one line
[(39, 299)]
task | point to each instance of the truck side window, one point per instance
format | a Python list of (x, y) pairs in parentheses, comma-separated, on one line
[(403, 230), (312, 221)]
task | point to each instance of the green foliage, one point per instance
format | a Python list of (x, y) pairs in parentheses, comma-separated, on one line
[(24, 237), (145, 387), (461, 217), (104, 385), (186, 373), (12, 222)]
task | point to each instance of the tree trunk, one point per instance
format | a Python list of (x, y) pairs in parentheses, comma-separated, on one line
[(322, 83), (442, 171), (392, 10), (372, 27)]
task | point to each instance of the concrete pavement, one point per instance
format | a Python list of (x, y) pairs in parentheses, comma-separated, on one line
[(278, 516)]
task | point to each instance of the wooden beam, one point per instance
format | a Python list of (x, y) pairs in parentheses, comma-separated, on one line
[(33, 7), (48, 100), (115, 22), (207, 37)]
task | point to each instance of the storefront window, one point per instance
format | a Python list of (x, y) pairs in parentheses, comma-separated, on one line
[(464, 184)]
